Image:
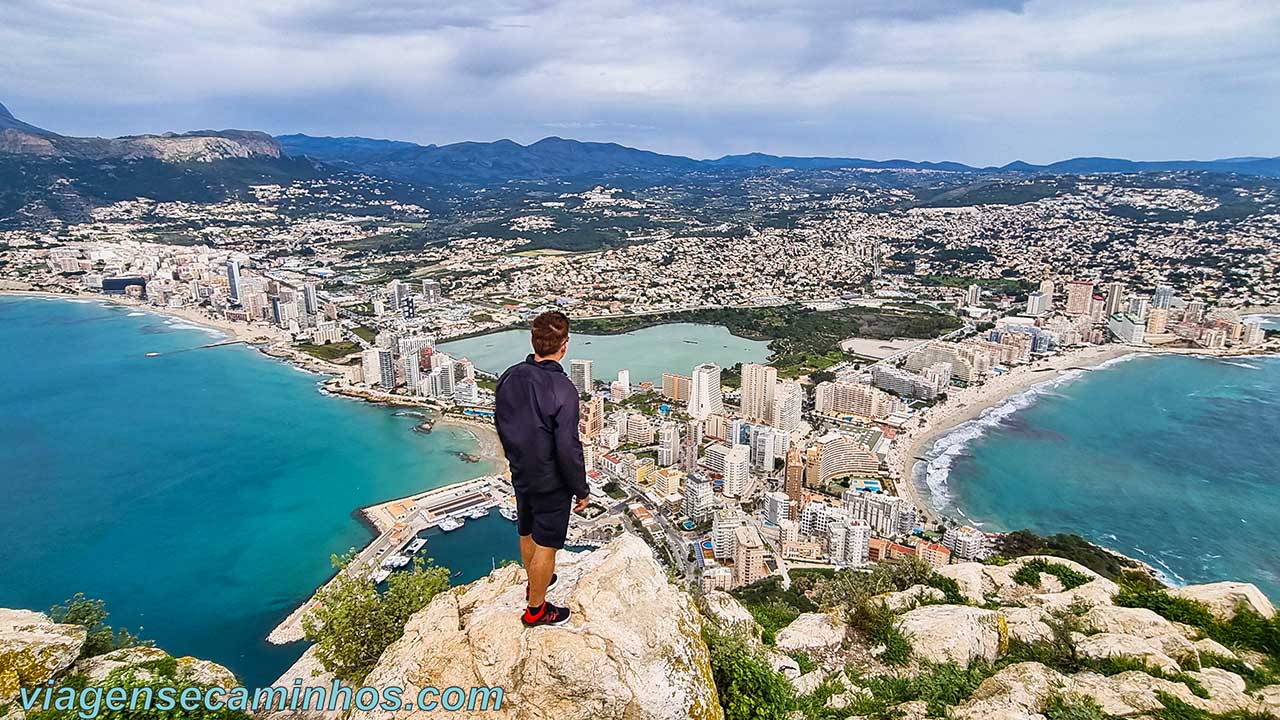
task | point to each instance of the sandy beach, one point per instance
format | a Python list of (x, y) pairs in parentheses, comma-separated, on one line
[(964, 405), (488, 446)]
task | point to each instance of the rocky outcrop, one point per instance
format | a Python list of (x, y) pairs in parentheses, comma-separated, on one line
[(912, 597), (1112, 645), (726, 610), (1225, 598), (812, 633), (20, 138), (954, 633), (1018, 691), (631, 650), (34, 650), (972, 578), (1142, 623)]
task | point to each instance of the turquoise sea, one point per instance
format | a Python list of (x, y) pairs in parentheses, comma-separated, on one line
[(199, 493), (1174, 460), (647, 353)]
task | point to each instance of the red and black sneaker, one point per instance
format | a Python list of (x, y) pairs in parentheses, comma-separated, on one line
[(550, 585), (548, 614)]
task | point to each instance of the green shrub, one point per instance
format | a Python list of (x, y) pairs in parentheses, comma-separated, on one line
[(1029, 574), (748, 687), (1246, 629), (92, 615), (877, 626), (353, 622), (1074, 707)]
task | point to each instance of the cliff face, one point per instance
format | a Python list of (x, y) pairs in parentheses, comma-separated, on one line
[(20, 138), (631, 650), (35, 651)]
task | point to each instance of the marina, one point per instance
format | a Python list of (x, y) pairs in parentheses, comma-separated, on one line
[(400, 524)]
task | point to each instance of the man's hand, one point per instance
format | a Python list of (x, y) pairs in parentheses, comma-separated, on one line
[(581, 504)]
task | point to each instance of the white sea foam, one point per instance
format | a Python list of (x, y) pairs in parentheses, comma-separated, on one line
[(945, 450), (1241, 364), (135, 314), (1164, 573)]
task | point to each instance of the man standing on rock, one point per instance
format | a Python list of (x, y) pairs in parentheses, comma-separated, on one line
[(537, 417)]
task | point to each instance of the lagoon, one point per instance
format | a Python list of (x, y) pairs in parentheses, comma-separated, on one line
[(647, 353)]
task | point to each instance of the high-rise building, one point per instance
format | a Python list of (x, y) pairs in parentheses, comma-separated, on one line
[(675, 387), (233, 278), (836, 455), (580, 374), (723, 529), (737, 471), (1047, 290), (777, 507), (1079, 297), (379, 368), (748, 558), (838, 398), (1038, 304), (883, 513), (699, 498), (310, 302), (973, 296), (908, 384), (591, 418), (1193, 312), (1127, 328), (430, 292), (793, 480), (705, 398), (668, 443), (1115, 299), (624, 382), (966, 543), (1157, 321), (788, 406), (1139, 306), (1163, 297), (758, 383)]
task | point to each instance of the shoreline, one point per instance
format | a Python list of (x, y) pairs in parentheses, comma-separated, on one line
[(272, 343), (970, 404)]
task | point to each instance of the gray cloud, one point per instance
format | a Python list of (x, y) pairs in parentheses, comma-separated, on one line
[(983, 81)]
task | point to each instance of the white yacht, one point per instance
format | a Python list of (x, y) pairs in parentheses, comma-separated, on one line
[(508, 512), (415, 546), (450, 524)]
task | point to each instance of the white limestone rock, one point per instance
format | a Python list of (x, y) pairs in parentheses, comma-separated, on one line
[(1142, 623), (34, 649), (1017, 692), (954, 633), (911, 598), (1224, 598), (631, 650), (819, 633), (1108, 645), (974, 583)]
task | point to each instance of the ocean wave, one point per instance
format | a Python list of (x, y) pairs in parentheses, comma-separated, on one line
[(179, 325), (1164, 573), (939, 458), (135, 314), (1241, 364)]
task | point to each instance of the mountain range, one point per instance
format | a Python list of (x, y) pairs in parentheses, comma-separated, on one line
[(551, 159)]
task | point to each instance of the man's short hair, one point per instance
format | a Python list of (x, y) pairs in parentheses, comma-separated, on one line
[(550, 330)]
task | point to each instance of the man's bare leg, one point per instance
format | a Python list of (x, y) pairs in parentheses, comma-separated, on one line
[(540, 567), (526, 551)]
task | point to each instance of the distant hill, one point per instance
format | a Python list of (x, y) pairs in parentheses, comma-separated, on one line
[(25, 139), (485, 163)]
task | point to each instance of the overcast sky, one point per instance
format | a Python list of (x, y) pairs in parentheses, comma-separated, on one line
[(977, 81)]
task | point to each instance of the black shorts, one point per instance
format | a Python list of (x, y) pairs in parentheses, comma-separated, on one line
[(545, 516)]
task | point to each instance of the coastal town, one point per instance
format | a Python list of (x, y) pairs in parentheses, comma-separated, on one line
[(731, 474)]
